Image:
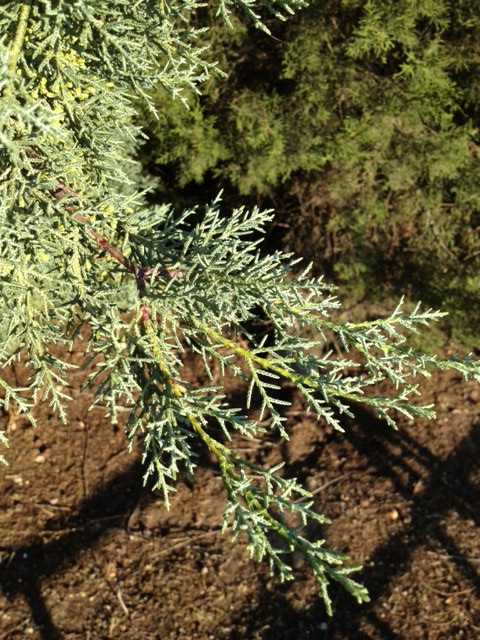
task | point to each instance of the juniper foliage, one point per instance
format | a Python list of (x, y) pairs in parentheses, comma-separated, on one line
[(79, 244)]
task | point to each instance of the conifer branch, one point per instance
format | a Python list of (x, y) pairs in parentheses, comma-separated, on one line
[(23, 15), (173, 281)]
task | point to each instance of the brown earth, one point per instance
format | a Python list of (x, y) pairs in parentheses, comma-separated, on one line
[(87, 554)]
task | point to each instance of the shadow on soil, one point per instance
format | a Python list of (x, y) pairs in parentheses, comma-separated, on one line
[(107, 508), (446, 489)]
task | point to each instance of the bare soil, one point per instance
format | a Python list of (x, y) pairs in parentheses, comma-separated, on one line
[(87, 553)]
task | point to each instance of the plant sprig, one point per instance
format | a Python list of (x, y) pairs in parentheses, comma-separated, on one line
[(79, 244)]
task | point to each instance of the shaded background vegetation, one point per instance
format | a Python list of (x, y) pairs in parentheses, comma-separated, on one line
[(357, 121)]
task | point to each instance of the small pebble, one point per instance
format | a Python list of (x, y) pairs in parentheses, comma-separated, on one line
[(474, 395), (418, 487)]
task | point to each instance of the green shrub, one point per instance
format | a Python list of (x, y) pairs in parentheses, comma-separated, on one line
[(365, 114)]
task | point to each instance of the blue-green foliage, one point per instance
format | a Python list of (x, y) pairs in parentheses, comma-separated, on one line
[(80, 245)]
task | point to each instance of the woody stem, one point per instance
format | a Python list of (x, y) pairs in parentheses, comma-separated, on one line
[(17, 45)]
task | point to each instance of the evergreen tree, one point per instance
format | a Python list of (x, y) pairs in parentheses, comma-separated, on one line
[(79, 244)]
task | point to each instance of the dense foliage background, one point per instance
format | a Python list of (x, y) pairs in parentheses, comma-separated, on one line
[(358, 121)]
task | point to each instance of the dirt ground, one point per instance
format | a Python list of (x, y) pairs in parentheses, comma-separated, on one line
[(86, 553)]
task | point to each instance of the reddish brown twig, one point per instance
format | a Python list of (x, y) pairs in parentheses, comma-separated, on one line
[(141, 273)]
